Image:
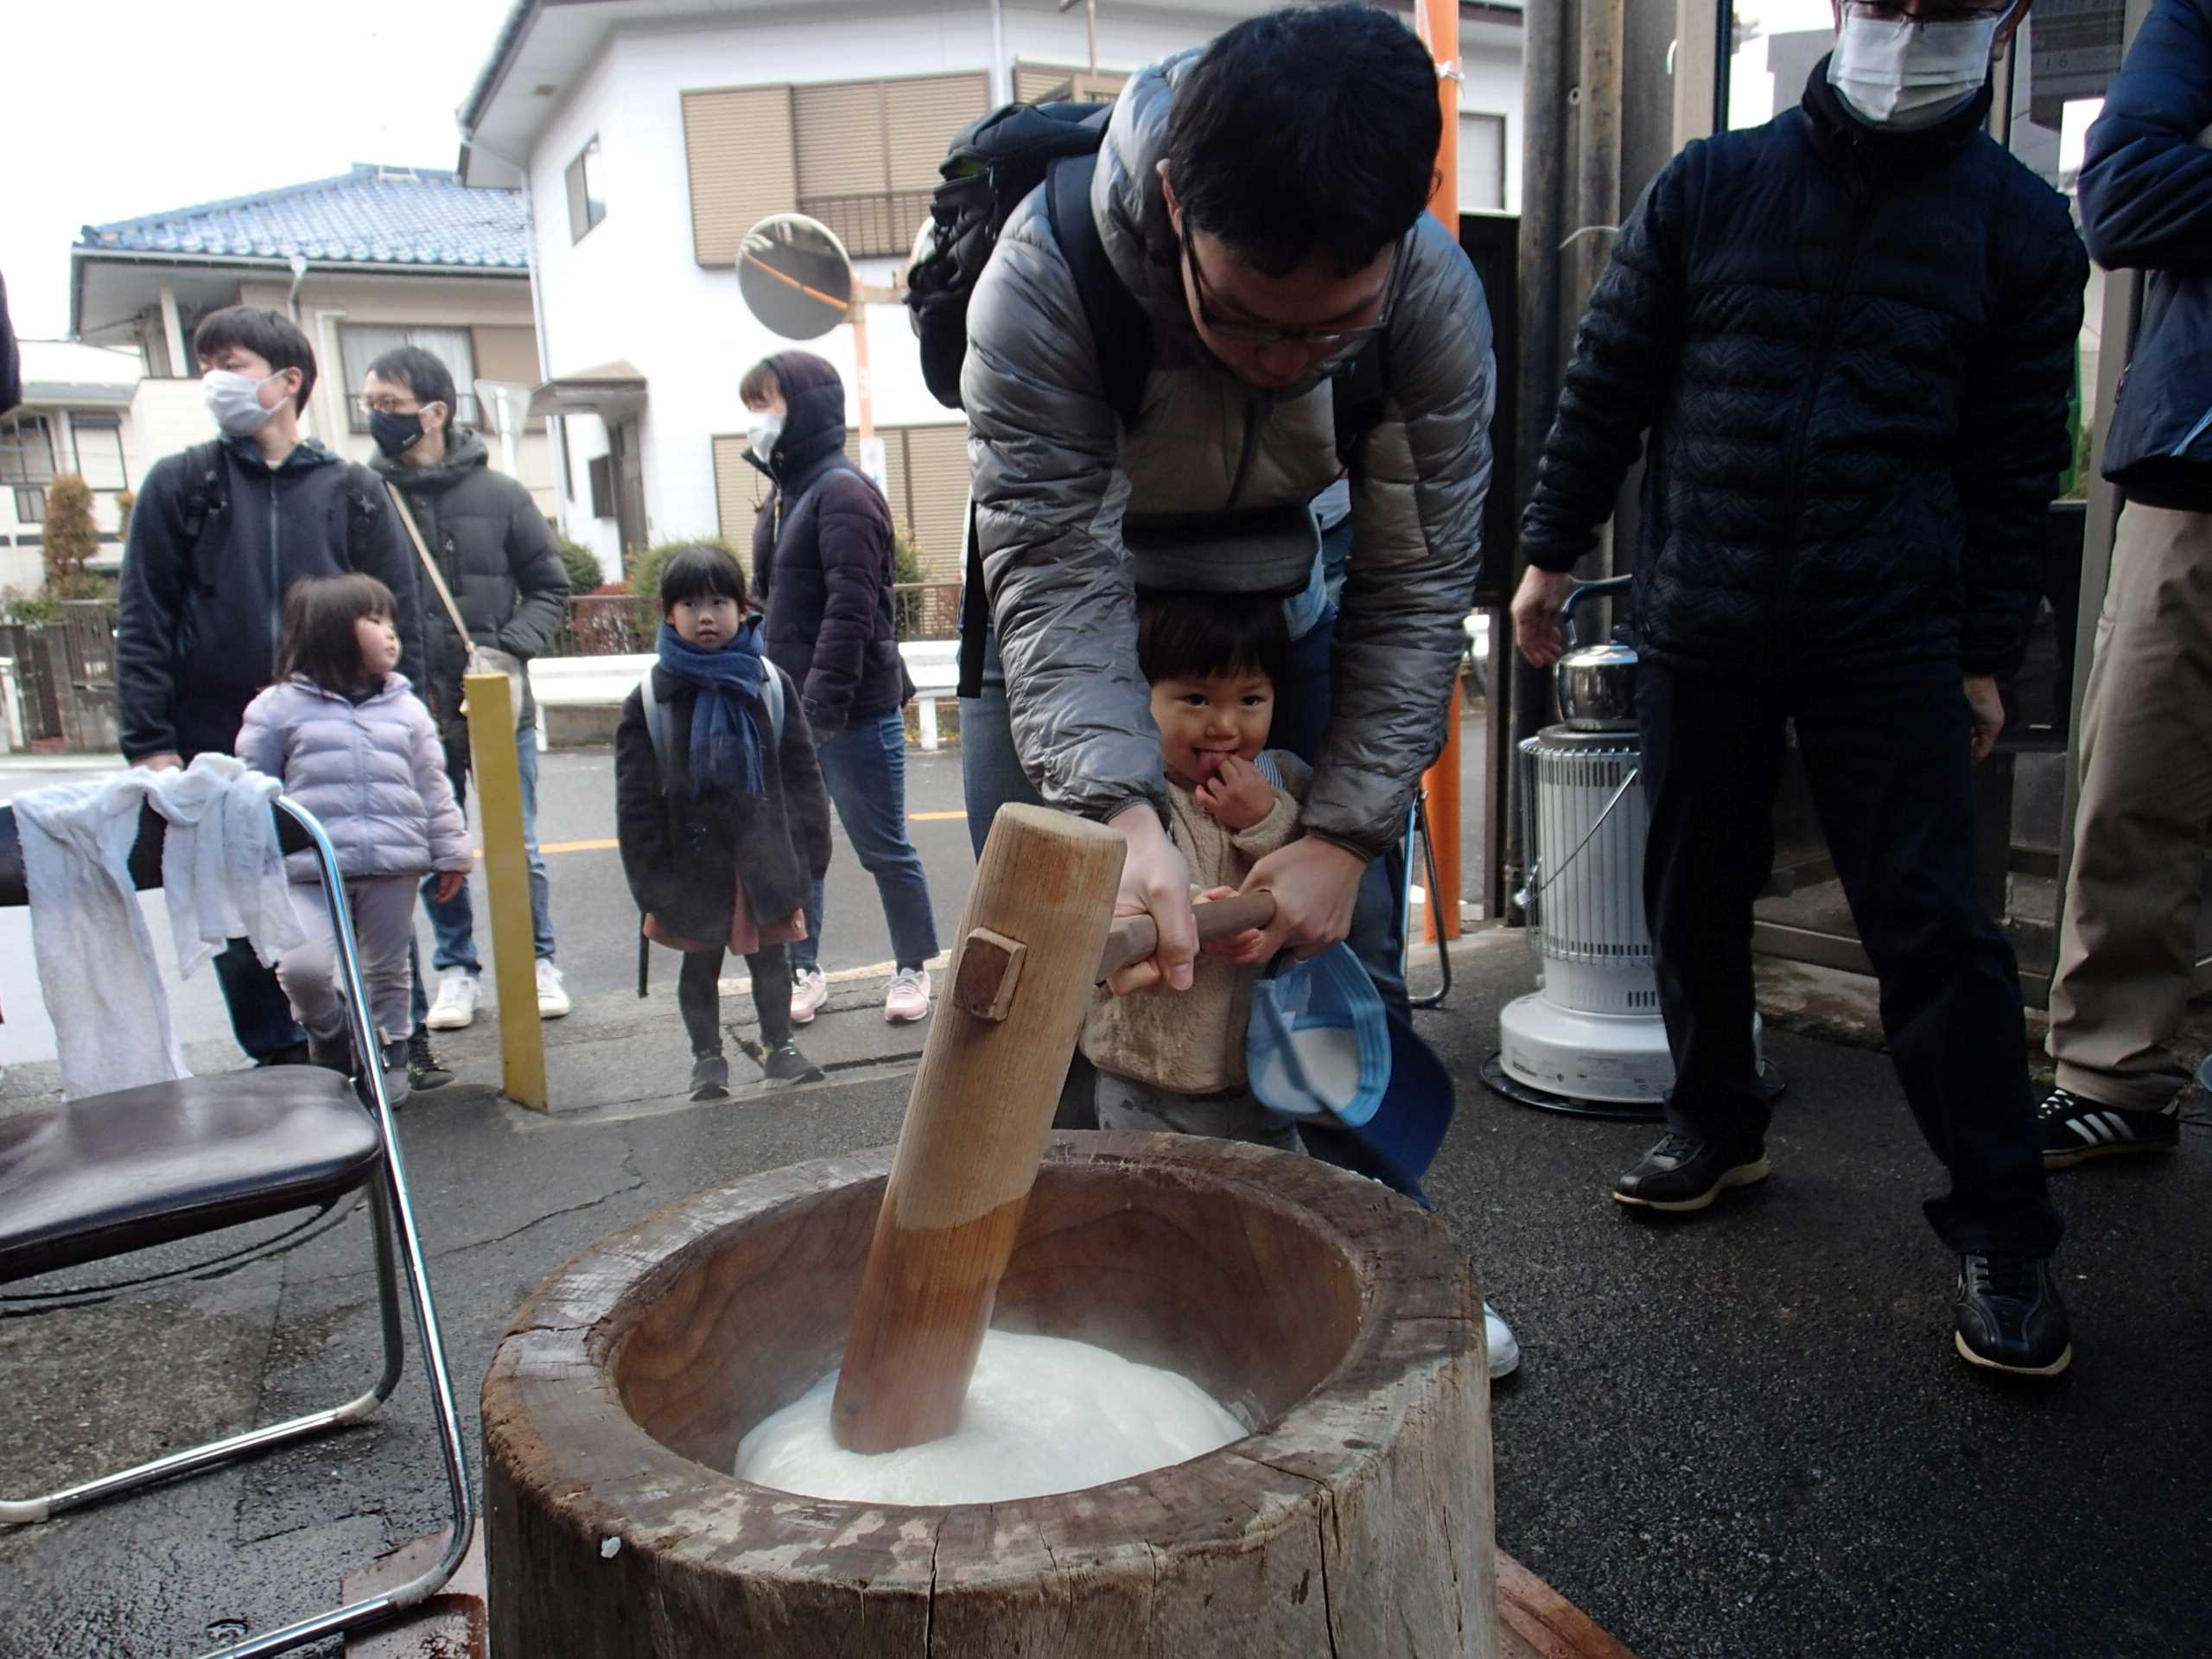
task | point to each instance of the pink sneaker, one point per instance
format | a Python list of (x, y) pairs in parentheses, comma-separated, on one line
[(908, 999), (809, 992)]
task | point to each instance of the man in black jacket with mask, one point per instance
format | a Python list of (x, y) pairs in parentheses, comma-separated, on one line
[(1850, 333), (220, 534), (497, 558)]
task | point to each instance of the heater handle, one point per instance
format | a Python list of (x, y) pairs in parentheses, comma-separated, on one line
[(1610, 586)]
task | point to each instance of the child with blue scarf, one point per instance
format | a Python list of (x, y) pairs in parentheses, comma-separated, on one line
[(724, 825)]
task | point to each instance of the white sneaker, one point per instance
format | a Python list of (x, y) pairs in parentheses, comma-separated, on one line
[(459, 992), (908, 999), (1504, 1348), (809, 992), (552, 999)]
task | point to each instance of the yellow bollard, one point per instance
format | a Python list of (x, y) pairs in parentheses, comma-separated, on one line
[(506, 873)]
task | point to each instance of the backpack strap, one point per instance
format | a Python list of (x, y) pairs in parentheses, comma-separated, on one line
[(655, 712), (205, 510), (1120, 333), (363, 488)]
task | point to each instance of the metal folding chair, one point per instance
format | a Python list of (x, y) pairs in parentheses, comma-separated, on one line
[(105, 1175)]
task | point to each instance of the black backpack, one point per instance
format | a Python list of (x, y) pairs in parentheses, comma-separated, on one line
[(206, 511), (991, 166)]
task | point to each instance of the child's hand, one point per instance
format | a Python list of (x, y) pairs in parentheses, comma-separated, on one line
[(1237, 794), (449, 883), (1238, 948)]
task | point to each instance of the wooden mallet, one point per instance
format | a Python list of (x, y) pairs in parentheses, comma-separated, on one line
[(1033, 944)]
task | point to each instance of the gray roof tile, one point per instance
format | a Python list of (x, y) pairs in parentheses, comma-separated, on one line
[(377, 215)]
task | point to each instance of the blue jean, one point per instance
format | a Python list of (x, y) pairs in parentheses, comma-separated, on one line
[(864, 768), (453, 924), (261, 1014), (991, 776)]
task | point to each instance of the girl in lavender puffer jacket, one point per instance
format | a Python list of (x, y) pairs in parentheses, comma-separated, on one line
[(355, 747)]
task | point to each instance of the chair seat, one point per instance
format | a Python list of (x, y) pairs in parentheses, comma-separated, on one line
[(139, 1167)]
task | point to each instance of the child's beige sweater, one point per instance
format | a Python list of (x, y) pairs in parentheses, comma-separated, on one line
[(1193, 1042)]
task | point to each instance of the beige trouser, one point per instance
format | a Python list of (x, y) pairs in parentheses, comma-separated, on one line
[(2127, 942)]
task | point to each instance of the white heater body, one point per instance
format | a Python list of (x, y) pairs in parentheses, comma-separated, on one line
[(1592, 1029)]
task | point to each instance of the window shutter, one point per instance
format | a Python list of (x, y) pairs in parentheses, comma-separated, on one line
[(739, 492), (840, 131), (936, 486), (1038, 83), (739, 146), (921, 116)]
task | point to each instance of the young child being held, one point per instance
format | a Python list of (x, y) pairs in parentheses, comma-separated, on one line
[(1175, 1061), (723, 835), (356, 748)]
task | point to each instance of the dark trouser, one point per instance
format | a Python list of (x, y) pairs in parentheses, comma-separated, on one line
[(864, 769), (261, 1014), (1887, 761), (698, 995)]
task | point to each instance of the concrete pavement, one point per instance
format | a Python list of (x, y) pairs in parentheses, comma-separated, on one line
[(1742, 1436)]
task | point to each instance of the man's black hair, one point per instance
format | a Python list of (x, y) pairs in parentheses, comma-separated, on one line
[(1197, 636), (1312, 127), (421, 373), (696, 572), (320, 642), (270, 335)]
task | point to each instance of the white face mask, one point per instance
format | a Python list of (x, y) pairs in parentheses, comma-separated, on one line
[(767, 428), (1904, 73), (234, 401)]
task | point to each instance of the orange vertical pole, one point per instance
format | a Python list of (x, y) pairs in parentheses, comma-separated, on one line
[(864, 393), (1438, 22)]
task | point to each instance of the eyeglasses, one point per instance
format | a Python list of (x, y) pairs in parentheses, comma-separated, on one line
[(1958, 11), (1324, 336), (386, 404)]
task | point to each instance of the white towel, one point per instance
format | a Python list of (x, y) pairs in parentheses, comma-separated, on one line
[(222, 870), (96, 964)]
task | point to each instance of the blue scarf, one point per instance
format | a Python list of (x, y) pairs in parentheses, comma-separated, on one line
[(725, 746)]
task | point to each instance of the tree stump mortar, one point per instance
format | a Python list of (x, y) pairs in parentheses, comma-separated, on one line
[(1335, 1319)]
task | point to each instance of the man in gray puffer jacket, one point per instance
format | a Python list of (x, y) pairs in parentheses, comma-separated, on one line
[(499, 558), (1263, 202)]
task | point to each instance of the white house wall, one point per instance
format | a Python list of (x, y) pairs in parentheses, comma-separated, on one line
[(631, 289)]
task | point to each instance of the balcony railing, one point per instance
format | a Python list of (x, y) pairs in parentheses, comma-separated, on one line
[(875, 226)]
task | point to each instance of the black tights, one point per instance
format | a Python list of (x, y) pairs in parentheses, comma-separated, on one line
[(698, 995)]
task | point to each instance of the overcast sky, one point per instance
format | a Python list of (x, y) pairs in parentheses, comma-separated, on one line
[(125, 107)]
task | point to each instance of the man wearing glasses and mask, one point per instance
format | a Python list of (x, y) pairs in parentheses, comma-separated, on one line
[(1263, 203), (1850, 333)]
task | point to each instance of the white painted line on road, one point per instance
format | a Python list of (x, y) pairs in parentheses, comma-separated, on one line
[(842, 975)]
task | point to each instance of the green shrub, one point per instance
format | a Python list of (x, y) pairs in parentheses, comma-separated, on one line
[(32, 610), (71, 537), (907, 567), (583, 566), (126, 503)]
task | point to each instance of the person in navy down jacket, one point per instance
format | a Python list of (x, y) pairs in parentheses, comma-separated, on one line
[(822, 563), (358, 748), (2128, 940), (1850, 333)]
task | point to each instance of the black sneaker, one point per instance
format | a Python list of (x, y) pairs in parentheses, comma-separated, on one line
[(709, 1078), (2009, 1317), (785, 1064), (423, 1071), (396, 1088), (1682, 1172), (297, 1054), (2072, 1128)]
